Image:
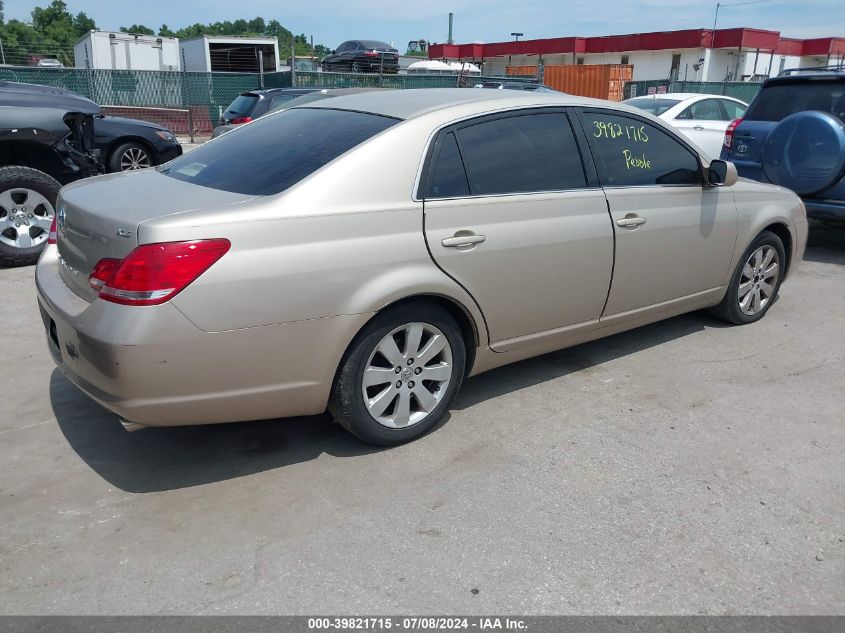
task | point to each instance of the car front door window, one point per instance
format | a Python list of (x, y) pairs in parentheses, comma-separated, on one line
[(675, 236), (633, 152)]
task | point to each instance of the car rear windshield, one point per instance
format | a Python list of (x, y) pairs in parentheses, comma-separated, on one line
[(277, 151), (777, 101), (242, 106), (652, 106)]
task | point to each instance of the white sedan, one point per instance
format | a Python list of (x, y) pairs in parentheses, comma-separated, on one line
[(702, 118)]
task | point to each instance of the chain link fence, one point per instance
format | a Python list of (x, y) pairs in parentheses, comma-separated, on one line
[(190, 103), (742, 90)]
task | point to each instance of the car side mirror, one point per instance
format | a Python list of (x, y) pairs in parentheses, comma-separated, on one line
[(721, 173), (334, 52)]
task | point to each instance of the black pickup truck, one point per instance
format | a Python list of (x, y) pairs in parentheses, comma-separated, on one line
[(46, 140)]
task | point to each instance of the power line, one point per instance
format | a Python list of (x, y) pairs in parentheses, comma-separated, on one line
[(739, 4)]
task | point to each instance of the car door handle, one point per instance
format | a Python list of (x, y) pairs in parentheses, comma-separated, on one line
[(458, 240), (631, 221), (698, 128)]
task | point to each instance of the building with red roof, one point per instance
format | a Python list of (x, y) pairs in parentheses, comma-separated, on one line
[(740, 54)]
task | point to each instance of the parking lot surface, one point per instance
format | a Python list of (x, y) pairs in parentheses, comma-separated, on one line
[(684, 467)]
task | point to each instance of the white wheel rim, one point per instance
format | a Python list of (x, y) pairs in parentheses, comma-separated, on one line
[(758, 280), (25, 218), (407, 375)]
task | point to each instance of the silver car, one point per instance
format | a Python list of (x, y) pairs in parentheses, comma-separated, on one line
[(367, 253)]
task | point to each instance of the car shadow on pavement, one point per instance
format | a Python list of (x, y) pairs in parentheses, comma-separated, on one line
[(533, 371), (158, 459), (826, 243)]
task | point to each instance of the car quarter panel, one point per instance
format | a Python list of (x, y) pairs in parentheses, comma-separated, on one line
[(152, 366)]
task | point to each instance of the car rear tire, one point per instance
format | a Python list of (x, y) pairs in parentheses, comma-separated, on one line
[(755, 283), (400, 374), (27, 207), (130, 157)]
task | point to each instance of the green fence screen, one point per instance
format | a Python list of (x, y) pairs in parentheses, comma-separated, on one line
[(742, 90)]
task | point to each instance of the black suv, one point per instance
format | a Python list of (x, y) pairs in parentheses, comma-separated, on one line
[(793, 135), (253, 103), (46, 140), (362, 56)]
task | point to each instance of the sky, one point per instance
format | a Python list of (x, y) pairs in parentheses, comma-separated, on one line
[(333, 21)]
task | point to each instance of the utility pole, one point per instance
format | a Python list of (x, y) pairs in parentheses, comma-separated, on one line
[(186, 100), (517, 36), (261, 68), (292, 62), (2, 52), (715, 19)]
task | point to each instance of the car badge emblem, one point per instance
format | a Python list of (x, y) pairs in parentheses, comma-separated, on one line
[(60, 219), (124, 233)]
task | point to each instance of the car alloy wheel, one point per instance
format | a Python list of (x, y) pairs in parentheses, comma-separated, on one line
[(25, 218), (759, 280), (134, 158), (407, 375)]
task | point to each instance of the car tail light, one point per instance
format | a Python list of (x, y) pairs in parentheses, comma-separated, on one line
[(51, 236), (729, 133), (241, 119), (155, 273), (103, 271), (371, 53)]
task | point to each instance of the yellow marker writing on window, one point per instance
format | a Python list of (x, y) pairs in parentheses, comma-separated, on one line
[(635, 162)]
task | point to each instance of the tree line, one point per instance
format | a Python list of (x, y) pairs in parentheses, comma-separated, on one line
[(53, 31)]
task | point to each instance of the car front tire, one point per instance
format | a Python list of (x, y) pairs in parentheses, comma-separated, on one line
[(130, 157), (400, 374), (755, 282)]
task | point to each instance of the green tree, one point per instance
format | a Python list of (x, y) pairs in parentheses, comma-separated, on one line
[(137, 28), (257, 26), (82, 24), (164, 31)]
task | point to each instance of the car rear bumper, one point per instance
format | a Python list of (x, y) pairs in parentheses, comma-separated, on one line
[(152, 366)]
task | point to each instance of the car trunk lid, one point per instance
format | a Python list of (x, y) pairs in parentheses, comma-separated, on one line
[(99, 218)]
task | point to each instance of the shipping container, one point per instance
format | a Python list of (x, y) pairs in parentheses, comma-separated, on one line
[(599, 81), (523, 71)]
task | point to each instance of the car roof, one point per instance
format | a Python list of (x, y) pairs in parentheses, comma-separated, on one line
[(267, 91), (405, 104), (799, 77), (682, 96)]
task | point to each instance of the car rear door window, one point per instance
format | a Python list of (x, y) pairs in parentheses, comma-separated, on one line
[(275, 152), (280, 99), (523, 153), (448, 178), (630, 152), (733, 110), (706, 110)]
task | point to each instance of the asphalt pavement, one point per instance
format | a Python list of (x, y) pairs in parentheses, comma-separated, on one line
[(685, 467)]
